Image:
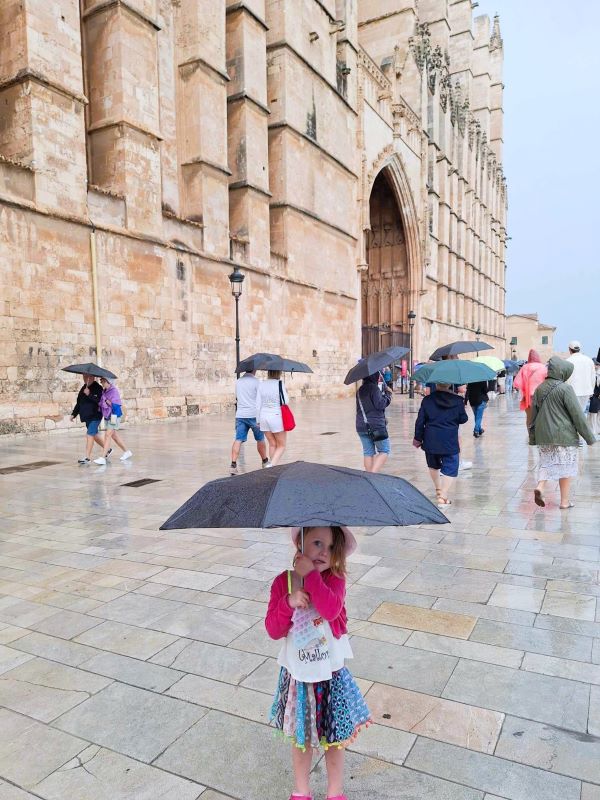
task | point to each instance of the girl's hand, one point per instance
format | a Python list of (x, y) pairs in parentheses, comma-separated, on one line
[(298, 599), (303, 565)]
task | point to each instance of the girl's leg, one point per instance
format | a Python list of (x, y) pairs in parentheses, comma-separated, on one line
[(108, 434), (565, 491), (334, 761), (272, 444), (280, 440), (302, 761), (99, 439), (118, 441)]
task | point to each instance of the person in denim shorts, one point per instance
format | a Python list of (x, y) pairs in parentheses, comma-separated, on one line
[(374, 401), (246, 388)]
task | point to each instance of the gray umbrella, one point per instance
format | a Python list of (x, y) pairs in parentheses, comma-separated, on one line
[(456, 348), (373, 363), (90, 369), (266, 361), (302, 494)]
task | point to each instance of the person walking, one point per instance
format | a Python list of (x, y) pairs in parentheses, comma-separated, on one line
[(477, 397), (268, 412), (583, 379), (530, 376), (436, 432), (593, 417), (387, 377), (556, 421), (317, 702), (112, 411), (87, 408), (371, 426), (246, 388)]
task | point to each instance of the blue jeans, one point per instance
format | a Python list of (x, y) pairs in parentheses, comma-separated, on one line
[(509, 384), (478, 411)]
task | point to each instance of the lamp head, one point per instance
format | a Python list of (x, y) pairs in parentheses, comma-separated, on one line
[(236, 279)]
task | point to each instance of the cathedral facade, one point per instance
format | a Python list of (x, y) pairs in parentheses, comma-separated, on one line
[(344, 155)]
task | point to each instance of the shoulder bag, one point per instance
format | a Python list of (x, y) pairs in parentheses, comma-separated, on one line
[(289, 423), (377, 434)]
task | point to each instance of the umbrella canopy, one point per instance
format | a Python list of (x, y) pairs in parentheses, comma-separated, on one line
[(90, 369), (375, 362), (302, 494), (455, 372), (492, 362), (511, 365), (456, 348), (266, 361)]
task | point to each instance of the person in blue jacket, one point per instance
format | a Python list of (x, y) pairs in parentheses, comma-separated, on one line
[(436, 432)]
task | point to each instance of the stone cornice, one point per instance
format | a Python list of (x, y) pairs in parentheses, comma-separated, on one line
[(308, 213), (200, 62), (27, 74), (284, 124), (235, 185), (242, 6), (127, 123), (106, 5), (367, 63), (205, 163), (243, 95)]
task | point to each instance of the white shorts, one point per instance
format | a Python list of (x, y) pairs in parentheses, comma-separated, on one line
[(271, 421)]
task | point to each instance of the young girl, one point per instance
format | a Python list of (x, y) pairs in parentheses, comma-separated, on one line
[(110, 406), (317, 702)]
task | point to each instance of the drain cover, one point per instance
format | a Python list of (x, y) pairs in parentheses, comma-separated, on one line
[(27, 467), (329, 433), (141, 482)]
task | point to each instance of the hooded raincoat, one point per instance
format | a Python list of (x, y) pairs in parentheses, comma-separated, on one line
[(530, 376), (557, 418)]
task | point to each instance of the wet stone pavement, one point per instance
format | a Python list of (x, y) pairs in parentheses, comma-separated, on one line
[(134, 663)]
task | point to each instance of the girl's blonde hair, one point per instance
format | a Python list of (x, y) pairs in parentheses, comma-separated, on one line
[(338, 554), (274, 374)]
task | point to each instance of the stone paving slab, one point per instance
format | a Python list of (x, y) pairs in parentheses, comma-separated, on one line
[(131, 721)]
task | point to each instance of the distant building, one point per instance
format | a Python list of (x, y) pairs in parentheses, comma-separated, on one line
[(524, 332)]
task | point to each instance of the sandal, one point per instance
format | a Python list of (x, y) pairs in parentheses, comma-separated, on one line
[(443, 501), (538, 498), (564, 508)]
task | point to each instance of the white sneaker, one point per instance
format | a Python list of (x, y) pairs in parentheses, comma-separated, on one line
[(465, 465), (127, 454), (101, 461), (84, 461)]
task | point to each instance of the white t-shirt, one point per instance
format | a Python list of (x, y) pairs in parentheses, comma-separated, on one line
[(583, 379), (267, 397), (246, 389)]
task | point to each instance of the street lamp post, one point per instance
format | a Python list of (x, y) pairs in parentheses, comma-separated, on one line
[(236, 279), (411, 323), (478, 333)]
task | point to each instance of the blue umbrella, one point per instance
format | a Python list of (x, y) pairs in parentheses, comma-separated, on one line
[(454, 372), (302, 494), (511, 365)]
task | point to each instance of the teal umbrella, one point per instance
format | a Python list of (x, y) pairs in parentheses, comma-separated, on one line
[(456, 372)]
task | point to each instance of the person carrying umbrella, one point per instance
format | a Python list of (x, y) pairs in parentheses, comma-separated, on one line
[(317, 702), (111, 408), (88, 410), (371, 425), (269, 397), (436, 431)]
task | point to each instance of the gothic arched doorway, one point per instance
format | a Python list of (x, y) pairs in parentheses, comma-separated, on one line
[(385, 286)]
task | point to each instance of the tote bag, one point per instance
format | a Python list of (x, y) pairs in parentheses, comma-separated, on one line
[(289, 423)]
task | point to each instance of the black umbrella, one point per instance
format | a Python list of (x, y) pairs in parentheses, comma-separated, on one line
[(90, 369), (266, 361), (375, 362), (456, 348), (302, 494)]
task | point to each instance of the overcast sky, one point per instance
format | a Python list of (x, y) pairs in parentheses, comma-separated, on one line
[(552, 162)]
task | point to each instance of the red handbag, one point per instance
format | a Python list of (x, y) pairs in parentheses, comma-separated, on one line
[(289, 423)]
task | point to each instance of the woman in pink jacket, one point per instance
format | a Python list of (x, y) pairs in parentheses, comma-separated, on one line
[(531, 375), (317, 702)]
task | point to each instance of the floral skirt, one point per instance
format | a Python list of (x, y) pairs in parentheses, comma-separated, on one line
[(557, 462), (326, 714)]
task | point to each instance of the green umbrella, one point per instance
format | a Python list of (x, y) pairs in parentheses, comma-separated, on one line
[(493, 362), (454, 372)]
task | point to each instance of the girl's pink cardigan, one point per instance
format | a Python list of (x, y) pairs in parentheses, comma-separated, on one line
[(327, 593)]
